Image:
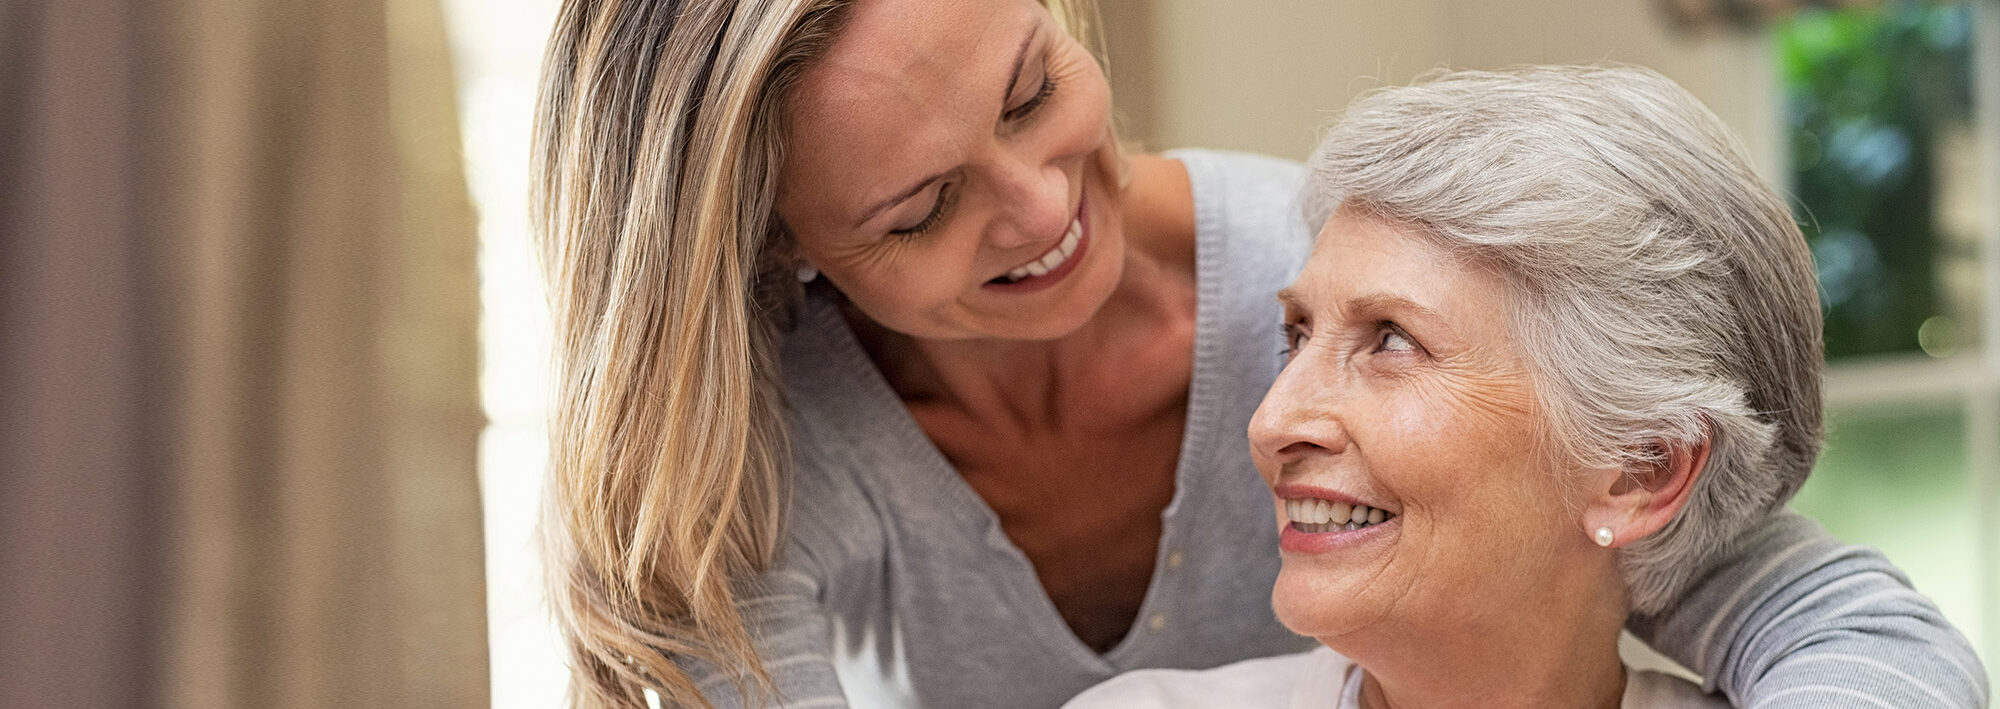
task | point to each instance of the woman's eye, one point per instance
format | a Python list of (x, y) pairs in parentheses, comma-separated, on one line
[(1393, 340), (1296, 336), (1027, 108), (938, 209)]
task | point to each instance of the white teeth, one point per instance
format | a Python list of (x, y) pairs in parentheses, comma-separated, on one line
[(1306, 511), (1339, 512), (1055, 257), (1051, 261), (1317, 515)]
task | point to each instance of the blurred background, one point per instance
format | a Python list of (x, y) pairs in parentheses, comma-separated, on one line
[(273, 347)]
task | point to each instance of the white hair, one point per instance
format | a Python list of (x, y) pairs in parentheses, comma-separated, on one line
[(1662, 290)]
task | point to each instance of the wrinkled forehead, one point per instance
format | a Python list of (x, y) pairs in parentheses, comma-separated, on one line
[(904, 82), (929, 43), (903, 59), (1360, 254)]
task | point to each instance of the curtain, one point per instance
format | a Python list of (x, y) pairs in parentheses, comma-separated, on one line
[(238, 371), (79, 368)]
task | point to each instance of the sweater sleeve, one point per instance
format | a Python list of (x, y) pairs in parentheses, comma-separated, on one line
[(1794, 618), (792, 632)]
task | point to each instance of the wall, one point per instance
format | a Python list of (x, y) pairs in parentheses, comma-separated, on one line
[(1264, 76)]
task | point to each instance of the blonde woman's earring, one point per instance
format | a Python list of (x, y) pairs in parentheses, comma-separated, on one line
[(1603, 537), (807, 273)]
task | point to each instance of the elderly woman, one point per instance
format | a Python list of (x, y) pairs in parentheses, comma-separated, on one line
[(1555, 349), (989, 453)]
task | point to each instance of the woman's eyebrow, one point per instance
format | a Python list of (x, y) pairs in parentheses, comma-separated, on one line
[(1290, 299), (1369, 305), (1020, 60), (884, 205), (1376, 304)]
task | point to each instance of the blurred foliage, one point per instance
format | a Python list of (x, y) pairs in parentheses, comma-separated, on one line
[(1867, 90)]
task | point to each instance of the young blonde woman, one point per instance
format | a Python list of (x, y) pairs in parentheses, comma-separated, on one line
[(879, 366)]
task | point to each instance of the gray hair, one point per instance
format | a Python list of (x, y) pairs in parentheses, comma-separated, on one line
[(1662, 291)]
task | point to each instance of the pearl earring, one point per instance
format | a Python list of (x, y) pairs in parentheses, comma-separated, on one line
[(807, 273), (1603, 537)]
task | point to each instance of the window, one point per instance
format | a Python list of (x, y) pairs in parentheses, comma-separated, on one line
[(1879, 104), (498, 53), (1895, 143)]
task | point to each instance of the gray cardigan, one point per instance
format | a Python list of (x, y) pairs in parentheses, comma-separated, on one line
[(898, 587)]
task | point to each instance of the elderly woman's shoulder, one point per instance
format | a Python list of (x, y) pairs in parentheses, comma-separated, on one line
[(1279, 682)]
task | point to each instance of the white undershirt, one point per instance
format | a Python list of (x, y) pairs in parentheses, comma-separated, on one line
[(1319, 679)]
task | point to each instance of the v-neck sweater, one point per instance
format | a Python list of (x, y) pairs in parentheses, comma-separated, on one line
[(894, 562)]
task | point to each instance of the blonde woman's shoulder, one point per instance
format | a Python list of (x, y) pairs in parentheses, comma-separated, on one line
[(1261, 683)]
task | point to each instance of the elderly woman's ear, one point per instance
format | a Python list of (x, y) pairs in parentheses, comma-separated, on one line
[(1628, 505)]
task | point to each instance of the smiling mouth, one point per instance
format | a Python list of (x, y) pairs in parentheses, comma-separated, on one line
[(1049, 261), (1316, 516)]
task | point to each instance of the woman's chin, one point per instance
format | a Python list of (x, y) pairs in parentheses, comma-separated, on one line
[(1071, 310), (1333, 583), (1320, 605)]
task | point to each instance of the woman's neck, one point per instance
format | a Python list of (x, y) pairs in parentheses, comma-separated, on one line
[(1560, 651)]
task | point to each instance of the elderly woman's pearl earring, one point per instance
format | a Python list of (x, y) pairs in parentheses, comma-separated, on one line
[(1603, 536), (807, 273)]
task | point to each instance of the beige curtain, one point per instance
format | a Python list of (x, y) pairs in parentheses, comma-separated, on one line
[(240, 314), (79, 362)]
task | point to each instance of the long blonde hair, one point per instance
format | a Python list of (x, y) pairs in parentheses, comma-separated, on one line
[(656, 159)]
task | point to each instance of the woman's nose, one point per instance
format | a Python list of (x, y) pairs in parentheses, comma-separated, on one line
[(1299, 417), (1035, 199)]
